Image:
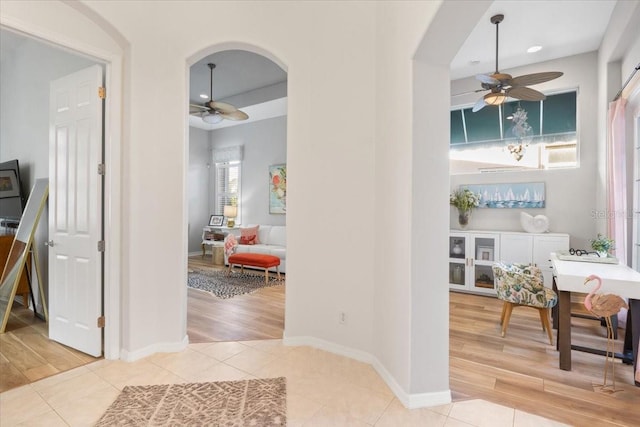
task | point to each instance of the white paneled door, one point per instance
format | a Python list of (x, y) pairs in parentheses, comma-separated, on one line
[(75, 211)]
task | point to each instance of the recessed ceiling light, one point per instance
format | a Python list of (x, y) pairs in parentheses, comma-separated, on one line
[(204, 96), (534, 49), (474, 62)]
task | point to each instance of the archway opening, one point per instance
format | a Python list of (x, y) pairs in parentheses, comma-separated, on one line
[(236, 184)]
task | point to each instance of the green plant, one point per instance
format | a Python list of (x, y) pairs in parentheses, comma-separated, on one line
[(464, 199), (601, 243)]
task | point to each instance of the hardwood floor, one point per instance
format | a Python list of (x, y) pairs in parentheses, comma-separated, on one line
[(255, 316), (27, 354), (520, 370)]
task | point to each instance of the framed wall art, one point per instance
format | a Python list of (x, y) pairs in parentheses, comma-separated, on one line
[(510, 196), (9, 184), (278, 189)]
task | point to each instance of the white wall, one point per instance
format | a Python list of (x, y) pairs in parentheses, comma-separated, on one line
[(198, 186), (25, 74), (570, 195), (265, 144)]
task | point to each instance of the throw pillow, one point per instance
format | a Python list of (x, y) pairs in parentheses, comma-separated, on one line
[(248, 232), (248, 240)]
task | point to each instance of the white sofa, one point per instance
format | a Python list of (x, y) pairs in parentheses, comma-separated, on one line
[(273, 241)]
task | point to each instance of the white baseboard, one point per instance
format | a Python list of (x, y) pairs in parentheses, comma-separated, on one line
[(411, 401), (131, 356)]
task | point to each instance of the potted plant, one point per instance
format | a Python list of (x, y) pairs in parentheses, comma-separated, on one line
[(602, 245), (465, 200)]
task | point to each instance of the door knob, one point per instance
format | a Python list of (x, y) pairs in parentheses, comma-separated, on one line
[(49, 243)]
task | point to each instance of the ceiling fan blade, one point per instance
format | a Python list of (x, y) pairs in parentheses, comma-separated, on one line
[(487, 79), (236, 115), (197, 109), (535, 78), (525, 93), (479, 105), (222, 107)]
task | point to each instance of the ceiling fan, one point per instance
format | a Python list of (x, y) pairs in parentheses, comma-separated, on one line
[(502, 85), (213, 112)]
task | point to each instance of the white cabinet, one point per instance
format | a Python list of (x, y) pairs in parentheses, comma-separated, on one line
[(471, 256), (472, 253), (533, 248)]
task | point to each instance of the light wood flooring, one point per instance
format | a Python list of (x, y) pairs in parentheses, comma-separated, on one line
[(255, 316), (27, 354), (520, 370)]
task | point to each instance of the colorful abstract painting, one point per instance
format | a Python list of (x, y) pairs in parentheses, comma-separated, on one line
[(278, 189), (515, 196)]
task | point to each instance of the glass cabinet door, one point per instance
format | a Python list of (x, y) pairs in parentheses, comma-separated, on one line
[(485, 248), (457, 261)]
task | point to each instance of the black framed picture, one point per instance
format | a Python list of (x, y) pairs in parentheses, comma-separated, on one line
[(9, 184), (216, 220)]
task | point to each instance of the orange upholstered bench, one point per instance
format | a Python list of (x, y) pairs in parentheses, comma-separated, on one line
[(255, 260)]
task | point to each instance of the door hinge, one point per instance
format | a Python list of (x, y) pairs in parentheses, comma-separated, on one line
[(101, 169), (102, 92), (101, 246), (101, 322)]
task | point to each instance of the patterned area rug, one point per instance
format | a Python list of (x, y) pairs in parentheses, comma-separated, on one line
[(218, 283), (261, 402)]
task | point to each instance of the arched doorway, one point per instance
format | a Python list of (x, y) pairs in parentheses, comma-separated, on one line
[(229, 165)]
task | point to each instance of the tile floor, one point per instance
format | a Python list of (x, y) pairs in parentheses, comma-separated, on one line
[(323, 389)]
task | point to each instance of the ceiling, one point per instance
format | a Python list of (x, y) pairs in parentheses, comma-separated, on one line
[(236, 72), (561, 27)]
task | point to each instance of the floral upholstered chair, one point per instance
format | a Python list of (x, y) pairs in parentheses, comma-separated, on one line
[(523, 285)]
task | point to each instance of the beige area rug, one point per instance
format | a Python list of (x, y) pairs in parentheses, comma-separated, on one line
[(260, 402)]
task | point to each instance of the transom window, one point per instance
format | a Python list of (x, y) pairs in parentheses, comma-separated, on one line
[(485, 141)]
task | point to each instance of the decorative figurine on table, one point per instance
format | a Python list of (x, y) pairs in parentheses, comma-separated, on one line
[(605, 305)]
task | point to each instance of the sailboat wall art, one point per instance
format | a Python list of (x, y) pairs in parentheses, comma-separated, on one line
[(510, 196)]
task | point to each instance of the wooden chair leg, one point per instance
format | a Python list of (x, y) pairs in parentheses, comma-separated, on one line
[(544, 318), (266, 276), (507, 316), (278, 272), (504, 309)]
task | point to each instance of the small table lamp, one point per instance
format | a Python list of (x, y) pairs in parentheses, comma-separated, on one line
[(230, 212)]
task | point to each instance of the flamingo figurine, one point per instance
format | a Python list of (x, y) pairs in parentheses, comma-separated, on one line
[(605, 305)]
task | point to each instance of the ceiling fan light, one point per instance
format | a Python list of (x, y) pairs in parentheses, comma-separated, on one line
[(212, 119), (495, 98)]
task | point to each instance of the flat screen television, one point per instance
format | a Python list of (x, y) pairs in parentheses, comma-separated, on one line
[(12, 198)]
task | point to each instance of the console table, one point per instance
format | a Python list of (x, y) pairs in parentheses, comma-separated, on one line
[(617, 279), (217, 246)]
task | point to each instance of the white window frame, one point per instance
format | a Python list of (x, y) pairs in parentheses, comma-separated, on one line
[(221, 196)]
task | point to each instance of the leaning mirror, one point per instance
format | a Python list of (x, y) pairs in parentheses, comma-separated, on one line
[(19, 252)]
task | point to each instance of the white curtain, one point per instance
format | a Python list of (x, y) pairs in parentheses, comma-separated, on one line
[(616, 179)]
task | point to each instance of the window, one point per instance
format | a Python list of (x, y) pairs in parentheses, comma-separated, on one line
[(227, 187), (484, 141)]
